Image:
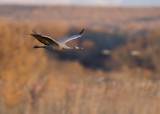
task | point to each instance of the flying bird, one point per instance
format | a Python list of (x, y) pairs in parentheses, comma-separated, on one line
[(50, 43)]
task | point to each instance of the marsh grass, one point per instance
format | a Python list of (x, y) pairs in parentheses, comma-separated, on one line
[(86, 82)]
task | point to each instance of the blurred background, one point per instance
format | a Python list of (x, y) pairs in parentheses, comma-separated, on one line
[(118, 72)]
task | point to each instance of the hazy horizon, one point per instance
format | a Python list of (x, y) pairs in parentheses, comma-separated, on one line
[(86, 2)]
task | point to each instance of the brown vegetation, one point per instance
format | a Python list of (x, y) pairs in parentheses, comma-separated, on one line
[(39, 81)]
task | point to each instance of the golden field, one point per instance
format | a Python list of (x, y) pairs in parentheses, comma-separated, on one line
[(89, 81)]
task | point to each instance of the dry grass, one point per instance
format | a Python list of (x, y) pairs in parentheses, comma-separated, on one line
[(34, 81)]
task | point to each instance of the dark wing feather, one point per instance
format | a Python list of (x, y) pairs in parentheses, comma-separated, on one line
[(64, 40), (45, 39)]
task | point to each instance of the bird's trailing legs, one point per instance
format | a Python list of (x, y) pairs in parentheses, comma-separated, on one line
[(39, 47)]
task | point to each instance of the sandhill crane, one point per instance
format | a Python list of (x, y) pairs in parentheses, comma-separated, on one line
[(50, 43)]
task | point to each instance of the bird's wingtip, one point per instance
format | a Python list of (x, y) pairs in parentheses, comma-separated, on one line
[(82, 31), (34, 31), (32, 34)]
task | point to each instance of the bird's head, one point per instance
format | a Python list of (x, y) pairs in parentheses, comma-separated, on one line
[(76, 47)]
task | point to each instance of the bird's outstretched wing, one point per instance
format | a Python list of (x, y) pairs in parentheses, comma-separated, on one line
[(44, 39), (67, 39)]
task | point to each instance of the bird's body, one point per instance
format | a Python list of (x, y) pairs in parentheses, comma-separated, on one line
[(50, 43)]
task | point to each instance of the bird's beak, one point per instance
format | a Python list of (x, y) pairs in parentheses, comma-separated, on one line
[(77, 47)]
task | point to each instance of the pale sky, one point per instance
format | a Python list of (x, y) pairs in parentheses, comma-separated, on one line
[(87, 2)]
